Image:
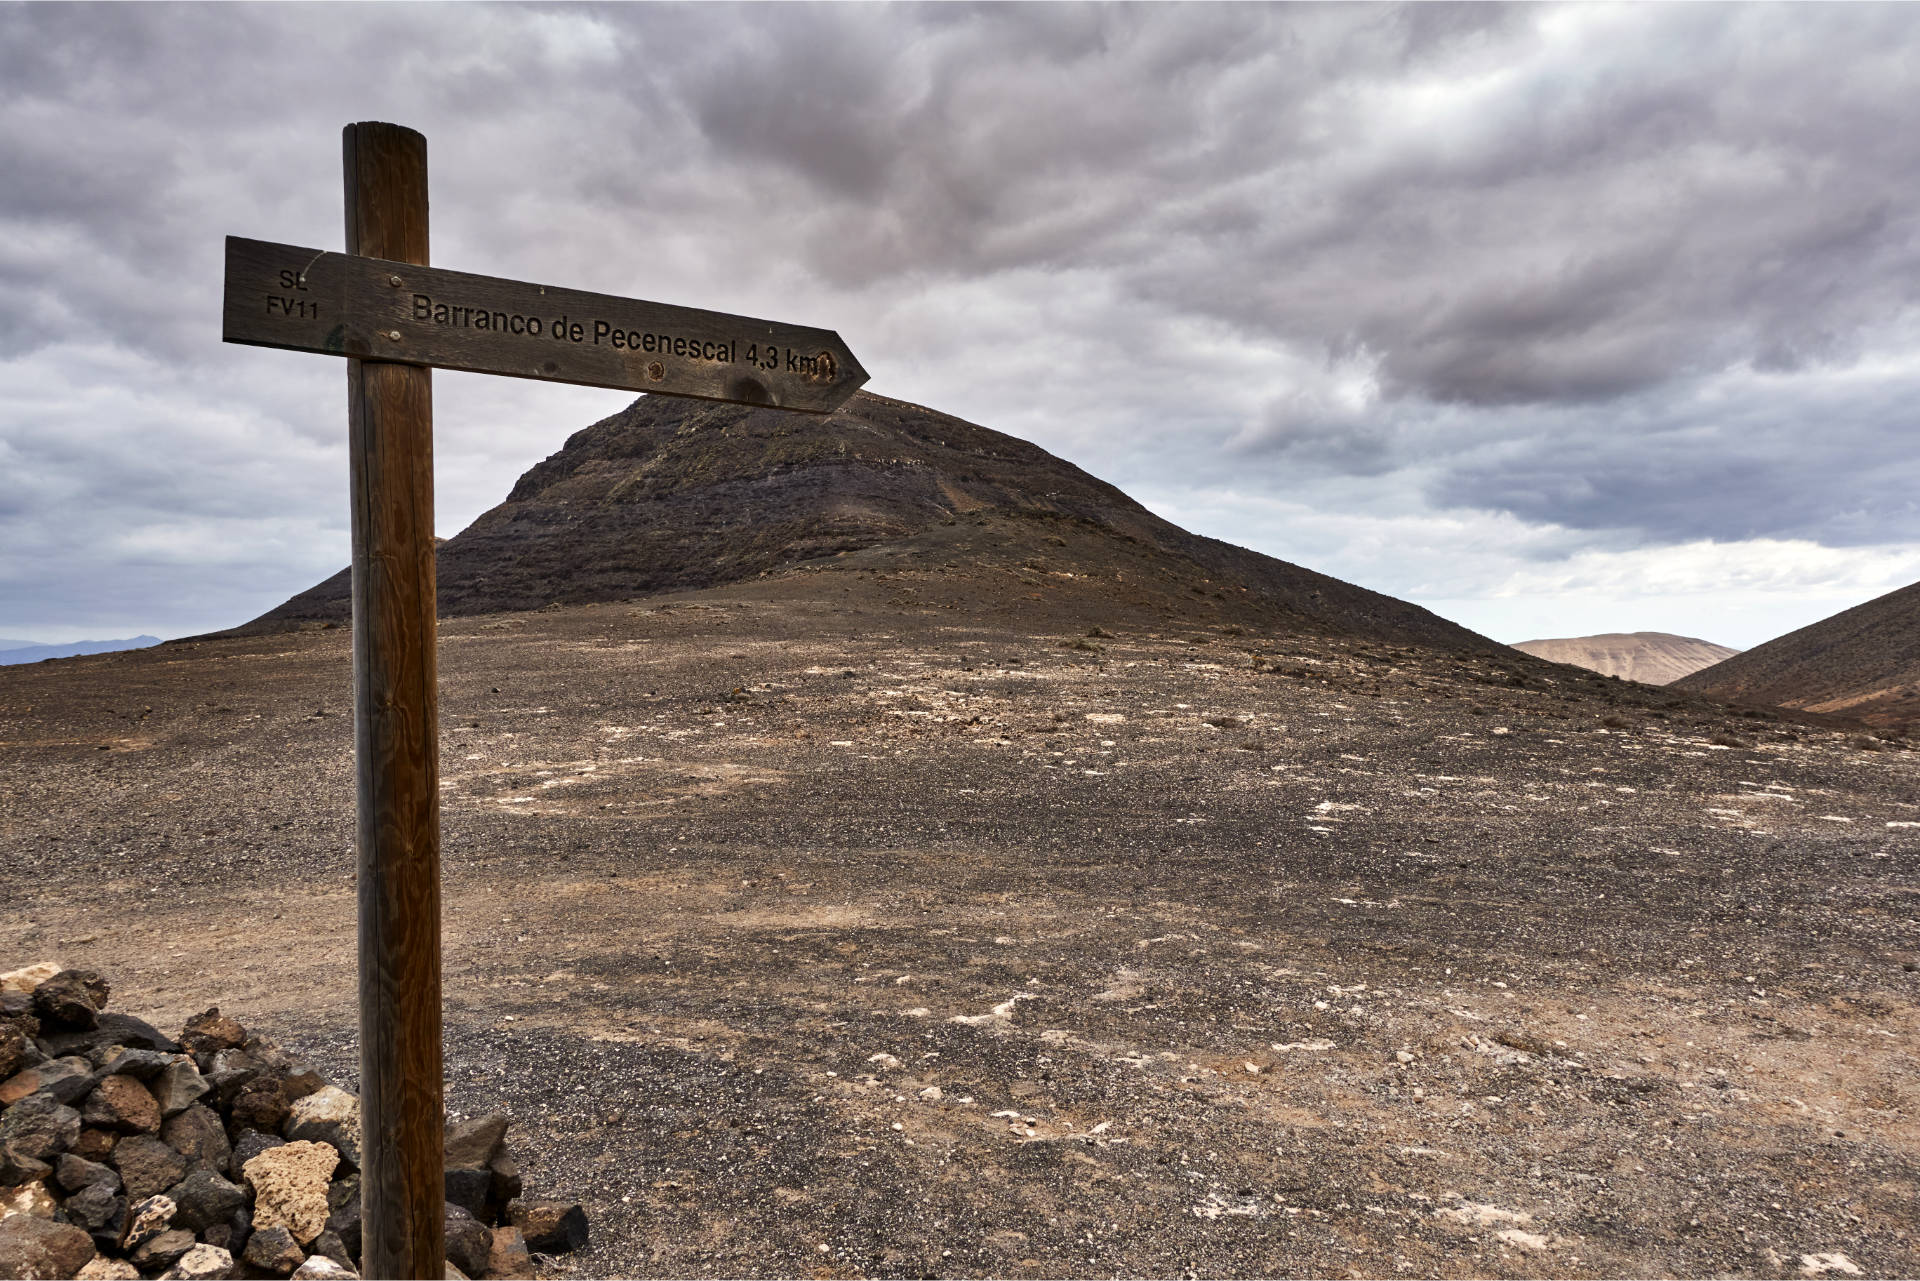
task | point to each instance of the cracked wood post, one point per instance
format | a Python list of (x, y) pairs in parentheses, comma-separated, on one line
[(396, 740)]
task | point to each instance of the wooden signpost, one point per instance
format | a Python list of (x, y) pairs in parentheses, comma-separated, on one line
[(393, 317)]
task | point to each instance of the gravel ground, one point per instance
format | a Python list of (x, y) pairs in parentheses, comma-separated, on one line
[(889, 938)]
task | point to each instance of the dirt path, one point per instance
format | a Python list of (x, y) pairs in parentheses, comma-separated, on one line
[(866, 943)]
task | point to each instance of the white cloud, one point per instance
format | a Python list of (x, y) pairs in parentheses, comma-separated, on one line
[(1426, 297)]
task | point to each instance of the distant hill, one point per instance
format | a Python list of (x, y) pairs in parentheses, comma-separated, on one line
[(28, 652), (1654, 658), (1863, 663), (673, 495)]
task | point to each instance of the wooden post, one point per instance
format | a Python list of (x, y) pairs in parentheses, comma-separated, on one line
[(396, 740)]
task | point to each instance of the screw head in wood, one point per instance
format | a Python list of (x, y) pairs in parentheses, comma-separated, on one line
[(393, 335), (395, 281)]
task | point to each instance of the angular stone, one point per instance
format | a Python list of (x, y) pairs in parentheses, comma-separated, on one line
[(101, 1268), (343, 1217), (298, 1077), (142, 1065), (178, 1086), (28, 977), (71, 999), (290, 1187), (196, 1134), (16, 1168), (75, 1172), (121, 1104), (201, 1263), (329, 1115), (147, 1166), (65, 1079), (33, 1249), (250, 1145), (95, 1145), (205, 1199), (222, 1062), (470, 1187), (551, 1227), (225, 1236), (162, 1251), (146, 1219), (109, 1029), (301, 1080), (468, 1241), (273, 1251), (507, 1185), (260, 1104), (508, 1259), (211, 1032), (29, 1198), (101, 1212), (320, 1268), (477, 1141), (239, 1231), (329, 1245), (39, 1127), (15, 1050)]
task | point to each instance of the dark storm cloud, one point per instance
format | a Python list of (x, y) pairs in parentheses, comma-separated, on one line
[(1643, 271)]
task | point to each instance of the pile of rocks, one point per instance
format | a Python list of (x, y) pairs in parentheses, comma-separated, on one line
[(125, 1153)]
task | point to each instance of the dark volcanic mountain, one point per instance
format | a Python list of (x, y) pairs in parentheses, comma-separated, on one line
[(1863, 663), (674, 495)]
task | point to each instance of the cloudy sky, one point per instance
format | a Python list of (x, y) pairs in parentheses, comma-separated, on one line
[(1555, 320)]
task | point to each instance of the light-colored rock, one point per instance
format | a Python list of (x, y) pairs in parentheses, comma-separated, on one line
[(1474, 1214), (202, 1263), (29, 1198), (476, 1142), (290, 1188), (147, 1219), (320, 1268), (1821, 1265), (509, 1260), (1523, 1241), (101, 1268), (28, 977), (329, 1115), (163, 1251), (178, 1086)]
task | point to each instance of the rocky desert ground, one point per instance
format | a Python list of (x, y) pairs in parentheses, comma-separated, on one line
[(820, 926)]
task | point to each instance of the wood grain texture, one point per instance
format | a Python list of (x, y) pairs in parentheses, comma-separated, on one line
[(371, 306), (396, 726)]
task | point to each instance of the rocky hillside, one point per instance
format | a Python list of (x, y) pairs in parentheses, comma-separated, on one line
[(1652, 658), (1863, 663), (673, 495)]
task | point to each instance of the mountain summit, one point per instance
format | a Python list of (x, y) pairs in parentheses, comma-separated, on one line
[(674, 495), (1863, 663), (1654, 658)]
